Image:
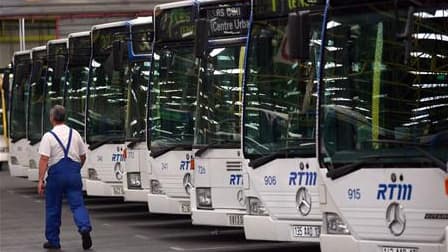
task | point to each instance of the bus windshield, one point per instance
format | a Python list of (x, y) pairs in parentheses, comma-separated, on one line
[(280, 94), (138, 90), (107, 87), (172, 97), (22, 63), (76, 84), (219, 100), (55, 86), (37, 96), (385, 87)]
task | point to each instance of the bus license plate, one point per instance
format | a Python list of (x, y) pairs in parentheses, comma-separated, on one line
[(398, 249), (236, 219), (306, 231), (185, 207), (118, 190)]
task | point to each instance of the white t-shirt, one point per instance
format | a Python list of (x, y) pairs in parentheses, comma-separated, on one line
[(51, 148)]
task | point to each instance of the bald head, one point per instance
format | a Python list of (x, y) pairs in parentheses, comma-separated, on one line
[(57, 114)]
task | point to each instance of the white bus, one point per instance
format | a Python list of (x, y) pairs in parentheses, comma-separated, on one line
[(171, 108), (106, 109), (17, 128), (5, 81), (217, 197), (77, 77), (383, 127), (136, 164), (280, 181), (35, 103)]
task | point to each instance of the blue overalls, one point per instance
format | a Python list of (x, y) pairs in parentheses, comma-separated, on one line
[(64, 178)]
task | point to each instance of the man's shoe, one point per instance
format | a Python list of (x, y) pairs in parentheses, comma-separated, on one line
[(48, 245), (86, 240)]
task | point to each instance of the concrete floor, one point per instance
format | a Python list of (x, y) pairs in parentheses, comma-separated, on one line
[(117, 226)]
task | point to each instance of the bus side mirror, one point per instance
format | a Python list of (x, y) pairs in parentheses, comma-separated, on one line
[(299, 35), (36, 71), (59, 69), (201, 38), (117, 54)]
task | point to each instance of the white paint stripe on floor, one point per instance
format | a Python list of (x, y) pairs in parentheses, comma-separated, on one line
[(142, 237), (238, 247)]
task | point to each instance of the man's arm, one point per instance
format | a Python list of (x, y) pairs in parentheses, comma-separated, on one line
[(83, 159), (43, 166)]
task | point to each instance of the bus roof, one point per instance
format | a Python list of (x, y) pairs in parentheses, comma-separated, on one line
[(57, 41), (79, 34), (172, 5), (110, 25), (39, 48), (140, 20)]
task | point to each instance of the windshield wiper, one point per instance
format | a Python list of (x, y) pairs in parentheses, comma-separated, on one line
[(98, 144), (417, 147), (134, 142), (224, 144), (283, 153), (34, 141), (160, 151)]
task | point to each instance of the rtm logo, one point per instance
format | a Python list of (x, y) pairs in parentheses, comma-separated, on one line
[(394, 191), (117, 157), (236, 179), (297, 178), (185, 165)]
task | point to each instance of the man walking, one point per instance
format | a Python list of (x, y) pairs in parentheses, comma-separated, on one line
[(62, 153)]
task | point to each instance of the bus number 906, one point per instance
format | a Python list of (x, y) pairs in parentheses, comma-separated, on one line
[(270, 180)]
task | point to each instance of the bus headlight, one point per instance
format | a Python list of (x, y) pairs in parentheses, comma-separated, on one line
[(256, 207), (93, 175), (134, 180), (204, 197), (14, 160), (335, 225), (156, 187)]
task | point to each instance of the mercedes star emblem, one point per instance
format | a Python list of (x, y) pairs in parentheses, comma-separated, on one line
[(396, 219), (118, 171), (241, 198), (303, 200), (187, 183)]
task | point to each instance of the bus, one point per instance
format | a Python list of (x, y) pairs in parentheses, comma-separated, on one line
[(35, 103), (18, 142), (280, 179), (383, 126), (5, 80), (106, 109), (136, 164), (57, 55), (77, 77), (172, 103), (217, 197)]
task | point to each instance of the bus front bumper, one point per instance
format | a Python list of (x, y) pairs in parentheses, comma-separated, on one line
[(159, 203), (33, 174), (132, 195), (17, 170), (347, 243), (100, 188), (218, 217), (267, 229)]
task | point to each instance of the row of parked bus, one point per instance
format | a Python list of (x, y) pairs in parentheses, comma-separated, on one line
[(299, 120)]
